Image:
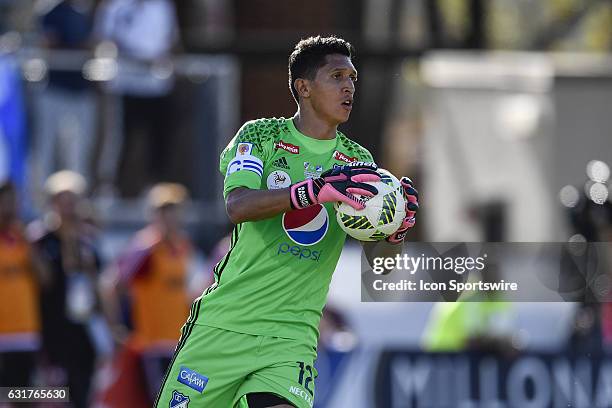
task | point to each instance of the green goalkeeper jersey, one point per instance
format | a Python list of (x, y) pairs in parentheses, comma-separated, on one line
[(275, 278)]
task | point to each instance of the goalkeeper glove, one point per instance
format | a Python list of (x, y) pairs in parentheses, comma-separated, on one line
[(412, 205), (337, 184)]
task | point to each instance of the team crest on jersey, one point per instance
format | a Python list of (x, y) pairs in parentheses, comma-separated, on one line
[(278, 179), (179, 400), (288, 147), (244, 149), (312, 171), (307, 226), (343, 157)]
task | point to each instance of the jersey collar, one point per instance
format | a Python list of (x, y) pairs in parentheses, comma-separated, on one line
[(310, 143)]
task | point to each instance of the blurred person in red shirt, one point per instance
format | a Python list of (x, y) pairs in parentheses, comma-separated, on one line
[(153, 276), (20, 277)]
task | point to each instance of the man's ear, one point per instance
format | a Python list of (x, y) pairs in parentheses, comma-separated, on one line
[(303, 87)]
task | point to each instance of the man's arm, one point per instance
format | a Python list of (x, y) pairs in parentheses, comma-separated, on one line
[(338, 184), (245, 204)]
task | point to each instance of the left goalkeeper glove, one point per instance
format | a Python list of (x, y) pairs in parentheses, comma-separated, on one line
[(337, 184), (412, 205)]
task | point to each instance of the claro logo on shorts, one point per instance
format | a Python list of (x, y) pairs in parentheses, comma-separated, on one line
[(192, 379)]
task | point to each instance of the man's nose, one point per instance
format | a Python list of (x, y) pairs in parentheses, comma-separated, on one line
[(349, 87)]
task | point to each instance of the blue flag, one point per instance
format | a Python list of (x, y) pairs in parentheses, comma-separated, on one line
[(12, 123)]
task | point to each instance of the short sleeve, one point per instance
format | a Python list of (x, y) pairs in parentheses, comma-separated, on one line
[(365, 155), (354, 150), (362, 154), (242, 161)]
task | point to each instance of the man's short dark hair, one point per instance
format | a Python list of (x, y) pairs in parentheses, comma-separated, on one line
[(309, 55)]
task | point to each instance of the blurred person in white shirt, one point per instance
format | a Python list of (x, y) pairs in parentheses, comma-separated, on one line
[(144, 33)]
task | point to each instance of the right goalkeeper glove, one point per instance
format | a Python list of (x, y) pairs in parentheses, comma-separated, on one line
[(337, 184)]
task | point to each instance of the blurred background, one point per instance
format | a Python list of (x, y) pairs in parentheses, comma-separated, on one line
[(499, 110)]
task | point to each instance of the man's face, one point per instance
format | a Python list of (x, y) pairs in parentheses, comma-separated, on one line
[(169, 218), (66, 204), (332, 90)]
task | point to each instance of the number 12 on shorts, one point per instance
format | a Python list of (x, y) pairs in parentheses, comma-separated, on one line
[(305, 382)]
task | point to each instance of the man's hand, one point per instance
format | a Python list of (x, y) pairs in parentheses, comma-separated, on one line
[(338, 184), (412, 205)]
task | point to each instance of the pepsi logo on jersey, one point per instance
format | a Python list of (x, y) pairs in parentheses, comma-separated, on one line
[(307, 226), (304, 227)]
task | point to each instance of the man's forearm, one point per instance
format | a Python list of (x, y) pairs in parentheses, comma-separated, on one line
[(245, 204)]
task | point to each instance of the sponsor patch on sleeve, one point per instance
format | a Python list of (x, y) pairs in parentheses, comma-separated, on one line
[(246, 162), (244, 149)]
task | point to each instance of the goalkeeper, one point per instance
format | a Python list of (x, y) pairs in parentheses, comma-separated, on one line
[(251, 337)]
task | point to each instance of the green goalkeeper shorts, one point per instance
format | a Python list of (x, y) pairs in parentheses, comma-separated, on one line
[(217, 368)]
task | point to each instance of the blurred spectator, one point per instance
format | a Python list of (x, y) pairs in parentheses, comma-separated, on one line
[(66, 109), (463, 325), (477, 322), (153, 276), (20, 276), (591, 221), (335, 333), (144, 32), (70, 324)]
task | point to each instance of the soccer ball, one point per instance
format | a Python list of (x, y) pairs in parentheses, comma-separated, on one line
[(383, 214)]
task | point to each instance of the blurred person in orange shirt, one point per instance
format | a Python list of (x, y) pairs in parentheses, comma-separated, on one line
[(71, 324), (20, 277), (152, 275)]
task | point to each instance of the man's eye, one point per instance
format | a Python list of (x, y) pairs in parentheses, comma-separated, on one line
[(353, 78)]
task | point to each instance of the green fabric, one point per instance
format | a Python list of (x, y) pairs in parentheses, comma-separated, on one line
[(269, 283), (237, 364), (314, 145)]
